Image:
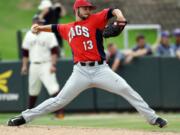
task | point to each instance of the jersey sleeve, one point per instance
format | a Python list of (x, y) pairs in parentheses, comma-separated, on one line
[(27, 41), (60, 29), (102, 17)]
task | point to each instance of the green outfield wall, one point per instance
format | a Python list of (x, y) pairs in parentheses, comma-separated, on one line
[(156, 79)]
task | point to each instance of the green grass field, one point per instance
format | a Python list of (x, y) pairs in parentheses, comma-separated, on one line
[(112, 120)]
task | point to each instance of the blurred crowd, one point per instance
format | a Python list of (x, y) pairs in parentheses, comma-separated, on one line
[(164, 48)]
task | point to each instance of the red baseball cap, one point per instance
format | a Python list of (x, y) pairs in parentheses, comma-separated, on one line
[(83, 3)]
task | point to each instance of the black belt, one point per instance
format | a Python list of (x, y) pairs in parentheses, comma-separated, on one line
[(91, 64)]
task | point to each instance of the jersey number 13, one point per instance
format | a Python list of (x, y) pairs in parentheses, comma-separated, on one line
[(88, 45)]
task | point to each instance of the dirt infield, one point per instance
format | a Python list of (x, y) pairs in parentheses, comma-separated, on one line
[(51, 130)]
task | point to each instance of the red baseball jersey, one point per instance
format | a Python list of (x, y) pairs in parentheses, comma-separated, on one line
[(85, 37)]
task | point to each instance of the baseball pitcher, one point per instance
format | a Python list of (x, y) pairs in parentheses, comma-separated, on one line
[(85, 37)]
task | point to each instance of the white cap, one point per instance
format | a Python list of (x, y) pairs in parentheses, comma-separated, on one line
[(45, 4)]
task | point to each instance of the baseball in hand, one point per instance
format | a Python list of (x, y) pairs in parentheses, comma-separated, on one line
[(34, 28)]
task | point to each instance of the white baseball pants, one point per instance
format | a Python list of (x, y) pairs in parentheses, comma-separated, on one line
[(40, 73), (99, 76)]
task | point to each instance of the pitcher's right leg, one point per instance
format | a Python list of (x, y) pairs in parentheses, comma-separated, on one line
[(73, 87)]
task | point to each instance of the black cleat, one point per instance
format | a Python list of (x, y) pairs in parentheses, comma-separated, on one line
[(161, 122), (16, 121)]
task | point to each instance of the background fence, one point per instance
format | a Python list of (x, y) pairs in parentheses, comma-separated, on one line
[(156, 79)]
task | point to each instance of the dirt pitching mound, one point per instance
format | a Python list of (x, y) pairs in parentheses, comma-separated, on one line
[(51, 130)]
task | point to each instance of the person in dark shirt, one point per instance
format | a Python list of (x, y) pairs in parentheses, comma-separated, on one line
[(114, 56), (140, 49), (43, 9), (52, 13), (164, 48), (176, 46)]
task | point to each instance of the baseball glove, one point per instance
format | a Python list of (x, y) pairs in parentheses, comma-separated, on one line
[(114, 29)]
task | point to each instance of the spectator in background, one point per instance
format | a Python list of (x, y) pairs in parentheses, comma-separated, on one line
[(164, 48), (114, 56), (44, 8), (176, 46), (140, 49), (52, 13)]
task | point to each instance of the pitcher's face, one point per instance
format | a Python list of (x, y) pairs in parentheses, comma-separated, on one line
[(84, 12)]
